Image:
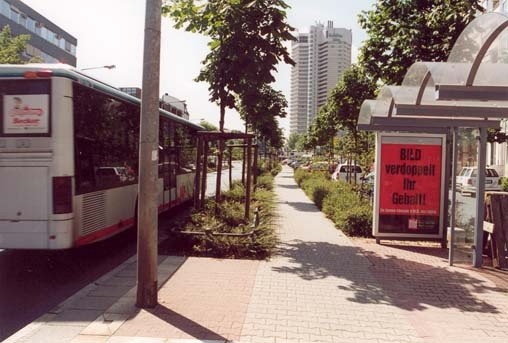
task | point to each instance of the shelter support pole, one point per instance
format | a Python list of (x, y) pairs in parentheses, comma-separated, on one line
[(453, 199), (480, 199)]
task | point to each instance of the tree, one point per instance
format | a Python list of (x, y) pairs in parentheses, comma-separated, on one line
[(293, 139), (323, 129), (260, 108), (344, 105), (207, 125), (11, 47), (246, 45), (402, 32)]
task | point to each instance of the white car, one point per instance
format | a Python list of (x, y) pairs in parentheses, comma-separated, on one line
[(468, 176), (347, 172)]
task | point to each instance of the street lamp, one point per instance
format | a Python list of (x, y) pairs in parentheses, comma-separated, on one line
[(111, 66)]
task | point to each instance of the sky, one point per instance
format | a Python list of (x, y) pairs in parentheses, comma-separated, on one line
[(112, 32)]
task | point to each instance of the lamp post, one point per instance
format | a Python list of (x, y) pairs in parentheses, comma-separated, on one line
[(110, 66)]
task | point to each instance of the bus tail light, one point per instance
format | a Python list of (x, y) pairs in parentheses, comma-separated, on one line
[(62, 194), (37, 74)]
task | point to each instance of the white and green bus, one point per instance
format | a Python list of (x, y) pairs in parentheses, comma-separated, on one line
[(69, 158)]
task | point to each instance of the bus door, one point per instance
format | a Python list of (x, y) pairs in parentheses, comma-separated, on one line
[(173, 169), (168, 175)]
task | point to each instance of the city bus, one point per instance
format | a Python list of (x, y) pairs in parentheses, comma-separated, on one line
[(69, 158)]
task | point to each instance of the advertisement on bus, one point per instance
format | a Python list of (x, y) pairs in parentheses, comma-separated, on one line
[(409, 186), (26, 114)]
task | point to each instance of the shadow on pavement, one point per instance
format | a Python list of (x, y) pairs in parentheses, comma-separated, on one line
[(186, 325), (303, 206), (289, 186), (388, 279)]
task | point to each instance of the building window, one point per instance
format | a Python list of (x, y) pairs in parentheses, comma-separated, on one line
[(14, 15), (6, 9), (30, 24), (22, 20)]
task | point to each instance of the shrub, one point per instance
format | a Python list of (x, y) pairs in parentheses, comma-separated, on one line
[(339, 201), (265, 181), (351, 214), (504, 184), (301, 175), (236, 193), (317, 188), (276, 170), (230, 219)]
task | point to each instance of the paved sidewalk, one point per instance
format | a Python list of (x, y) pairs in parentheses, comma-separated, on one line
[(320, 287)]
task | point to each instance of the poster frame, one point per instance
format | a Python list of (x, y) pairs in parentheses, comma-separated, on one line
[(409, 138)]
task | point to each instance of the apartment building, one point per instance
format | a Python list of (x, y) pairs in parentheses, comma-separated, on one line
[(47, 41), (322, 54)]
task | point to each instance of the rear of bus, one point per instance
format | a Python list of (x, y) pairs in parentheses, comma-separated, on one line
[(36, 159)]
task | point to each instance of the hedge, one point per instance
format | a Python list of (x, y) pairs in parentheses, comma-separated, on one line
[(339, 201)]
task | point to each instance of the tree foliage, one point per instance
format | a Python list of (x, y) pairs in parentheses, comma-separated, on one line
[(11, 47), (401, 32), (295, 141), (347, 97), (246, 43), (260, 109), (207, 125)]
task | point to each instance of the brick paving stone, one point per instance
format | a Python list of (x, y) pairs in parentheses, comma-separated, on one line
[(205, 299), (320, 279)]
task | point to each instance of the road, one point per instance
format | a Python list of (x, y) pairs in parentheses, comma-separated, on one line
[(34, 282)]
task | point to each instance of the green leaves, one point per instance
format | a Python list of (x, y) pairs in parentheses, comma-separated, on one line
[(246, 44), (11, 48), (402, 32)]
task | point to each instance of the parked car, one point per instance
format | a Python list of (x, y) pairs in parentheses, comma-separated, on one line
[(111, 175), (318, 167), (347, 172), (467, 179), (370, 178)]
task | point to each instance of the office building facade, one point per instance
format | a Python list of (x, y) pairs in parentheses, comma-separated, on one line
[(47, 41), (321, 56)]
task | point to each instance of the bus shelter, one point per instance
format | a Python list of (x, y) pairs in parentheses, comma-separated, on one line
[(470, 90)]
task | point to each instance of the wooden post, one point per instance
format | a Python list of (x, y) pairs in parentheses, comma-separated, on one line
[(197, 177), (218, 184), (205, 172), (230, 168), (496, 205), (248, 183), (256, 169)]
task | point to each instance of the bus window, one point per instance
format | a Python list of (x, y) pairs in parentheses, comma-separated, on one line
[(107, 139)]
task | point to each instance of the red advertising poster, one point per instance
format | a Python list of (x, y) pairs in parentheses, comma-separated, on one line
[(410, 187), (410, 179)]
